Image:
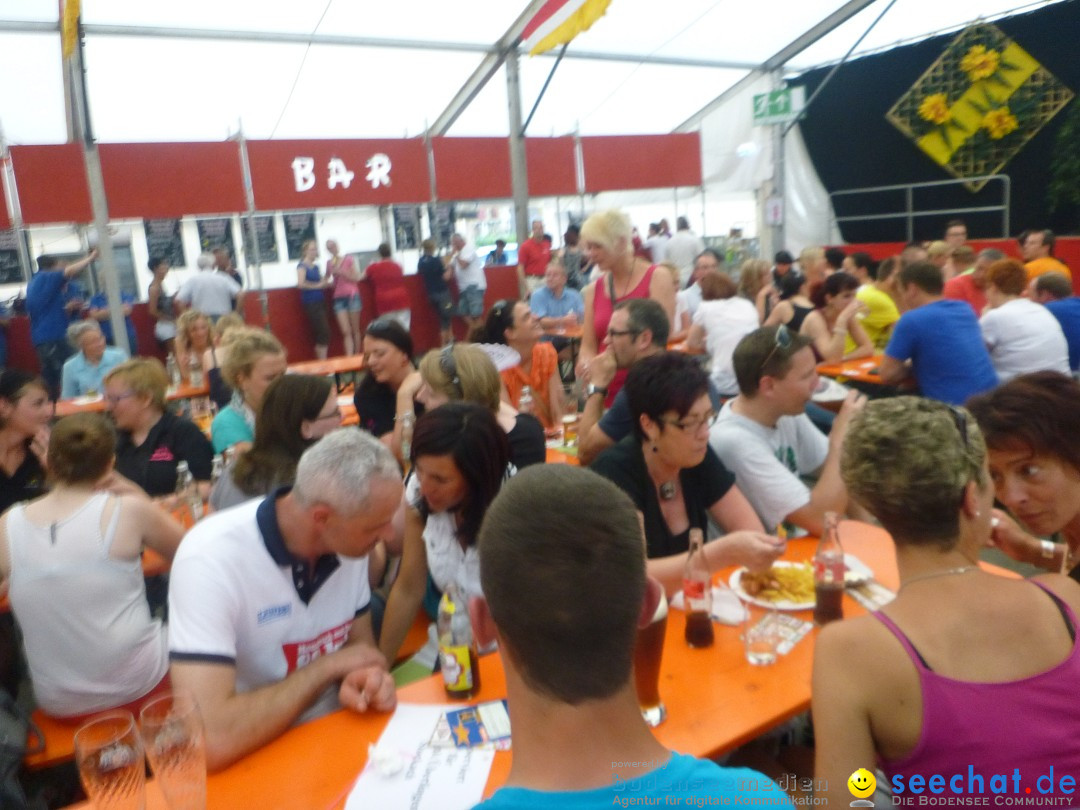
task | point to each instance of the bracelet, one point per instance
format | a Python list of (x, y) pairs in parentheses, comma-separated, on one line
[(402, 415), (1049, 549)]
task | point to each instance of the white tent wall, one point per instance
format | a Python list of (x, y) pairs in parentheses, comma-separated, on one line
[(808, 214)]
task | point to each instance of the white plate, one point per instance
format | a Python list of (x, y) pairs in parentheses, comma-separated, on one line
[(736, 585)]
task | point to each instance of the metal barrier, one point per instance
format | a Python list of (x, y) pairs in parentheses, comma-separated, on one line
[(909, 213)]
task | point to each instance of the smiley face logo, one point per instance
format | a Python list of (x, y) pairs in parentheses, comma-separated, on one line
[(862, 784)]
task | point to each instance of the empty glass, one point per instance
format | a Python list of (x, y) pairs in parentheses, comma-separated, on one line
[(109, 755), (172, 729)]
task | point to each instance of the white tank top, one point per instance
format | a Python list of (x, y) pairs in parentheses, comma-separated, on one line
[(89, 638)]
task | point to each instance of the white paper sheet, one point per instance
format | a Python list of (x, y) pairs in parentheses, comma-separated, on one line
[(415, 774)]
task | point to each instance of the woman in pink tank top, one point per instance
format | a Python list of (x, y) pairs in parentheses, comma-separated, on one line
[(607, 236), (965, 684)]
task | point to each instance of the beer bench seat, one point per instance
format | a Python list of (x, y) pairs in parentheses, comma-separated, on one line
[(59, 742)]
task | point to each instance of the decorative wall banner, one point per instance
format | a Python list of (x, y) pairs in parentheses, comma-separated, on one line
[(407, 226), (215, 233), (264, 232), (10, 271), (299, 228), (163, 239), (978, 104)]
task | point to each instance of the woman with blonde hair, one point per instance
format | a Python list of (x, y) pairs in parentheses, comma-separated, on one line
[(755, 284), (465, 373), (150, 439), (965, 671), (70, 560), (255, 359), (192, 341), (607, 236)]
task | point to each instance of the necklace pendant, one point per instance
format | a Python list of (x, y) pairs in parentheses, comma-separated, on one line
[(667, 490)]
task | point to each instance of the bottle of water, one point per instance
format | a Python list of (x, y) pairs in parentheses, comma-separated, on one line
[(195, 373), (187, 492), (173, 369), (525, 403)]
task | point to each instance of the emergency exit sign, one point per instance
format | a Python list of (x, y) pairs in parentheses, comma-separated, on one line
[(779, 106)]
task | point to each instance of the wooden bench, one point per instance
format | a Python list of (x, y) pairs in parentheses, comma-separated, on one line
[(59, 742)]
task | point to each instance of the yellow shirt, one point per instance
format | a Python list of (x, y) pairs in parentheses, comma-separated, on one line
[(878, 320)]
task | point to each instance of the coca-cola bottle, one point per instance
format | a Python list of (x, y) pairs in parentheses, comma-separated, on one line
[(697, 591), (829, 574)]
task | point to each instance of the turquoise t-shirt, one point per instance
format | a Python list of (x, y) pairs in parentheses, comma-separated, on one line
[(686, 780), (228, 428)]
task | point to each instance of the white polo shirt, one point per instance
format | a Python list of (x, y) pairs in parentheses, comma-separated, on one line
[(237, 596)]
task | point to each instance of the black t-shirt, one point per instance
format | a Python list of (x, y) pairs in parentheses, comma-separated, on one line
[(152, 465), (527, 443), (431, 270), (26, 483), (376, 406), (702, 486)]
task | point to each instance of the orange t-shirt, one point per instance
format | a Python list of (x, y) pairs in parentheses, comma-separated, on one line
[(1047, 264), (545, 362)]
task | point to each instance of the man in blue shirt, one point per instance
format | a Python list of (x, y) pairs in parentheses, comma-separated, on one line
[(556, 305), (1055, 292), (578, 735), (48, 317), (937, 341), (84, 372)]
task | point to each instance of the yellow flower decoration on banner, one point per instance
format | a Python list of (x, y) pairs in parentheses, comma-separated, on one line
[(999, 123), (935, 109), (978, 62)]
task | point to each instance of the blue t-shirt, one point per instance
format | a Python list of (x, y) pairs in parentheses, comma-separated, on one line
[(45, 306), (101, 301), (1067, 311), (683, 778), (311, 273), (545, 305), (948, 357)]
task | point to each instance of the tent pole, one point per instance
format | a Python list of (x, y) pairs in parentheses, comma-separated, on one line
[(253, 237), (519, 177)]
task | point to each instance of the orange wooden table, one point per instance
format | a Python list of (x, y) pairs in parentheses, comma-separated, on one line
[(684, 347), (66, 407), (716, 701), (864, 370), (333, 365), (556, 455)]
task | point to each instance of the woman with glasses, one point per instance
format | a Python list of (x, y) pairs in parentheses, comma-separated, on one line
[(297, 410), (609, 246), (964, 672), (150, 439), (465, 372), (675, 479), (70, 563), (460, 458), (513, 324)]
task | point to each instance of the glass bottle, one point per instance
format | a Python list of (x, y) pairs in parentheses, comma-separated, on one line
[(697, 592), (173, 369), (525, 402), (457, 647), (217, 469), (829, 574), (408, 423), (195, 372), (187, 492)]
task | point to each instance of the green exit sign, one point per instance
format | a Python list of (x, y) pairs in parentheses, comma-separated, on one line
[(779, 106)]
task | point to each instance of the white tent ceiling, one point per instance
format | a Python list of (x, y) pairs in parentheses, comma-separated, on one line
[(154, 88)]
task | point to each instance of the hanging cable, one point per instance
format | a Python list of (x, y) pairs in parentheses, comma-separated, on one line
[(299, 70)]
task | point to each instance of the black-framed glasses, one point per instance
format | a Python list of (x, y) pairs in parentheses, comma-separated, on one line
[(614, 333), (448, 366), (693, 425), (782, 340)]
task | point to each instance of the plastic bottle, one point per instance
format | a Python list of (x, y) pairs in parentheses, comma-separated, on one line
[(525, 403), (173, 369), (187, 493), (457, 647), (829, 574), (697, 592)]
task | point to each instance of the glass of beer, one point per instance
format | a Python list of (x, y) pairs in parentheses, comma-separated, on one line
[(109, 755), (570, 415), (172, 730), (648, 653)]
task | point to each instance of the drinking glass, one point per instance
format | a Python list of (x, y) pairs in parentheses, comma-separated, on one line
[(109, 755), (761, 635), (570, 415), (172, 729), (648, 653)]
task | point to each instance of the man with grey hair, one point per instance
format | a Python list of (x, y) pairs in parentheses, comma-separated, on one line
[(211, 290), (84, 372), (971, 286), (268, 601)]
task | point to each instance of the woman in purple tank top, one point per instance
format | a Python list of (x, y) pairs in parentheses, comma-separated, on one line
[(965, 684)]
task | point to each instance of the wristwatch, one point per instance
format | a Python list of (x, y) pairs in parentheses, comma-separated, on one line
[(591, 389)]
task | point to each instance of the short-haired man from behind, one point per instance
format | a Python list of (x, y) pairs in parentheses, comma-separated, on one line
[(1054, 291), (936, 341), (268, 601), (579, 738), (971, 287), (639, 328), (767, 440)]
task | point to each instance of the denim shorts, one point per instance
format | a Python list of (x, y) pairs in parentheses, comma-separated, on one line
[(347, 303), (471, 302), (444, 308)]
